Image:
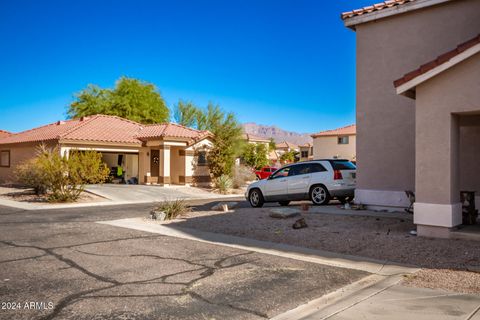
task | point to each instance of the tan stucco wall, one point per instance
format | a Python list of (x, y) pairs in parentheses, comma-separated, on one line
[(18, 154), (177, 164), (328, 147), (387, 49), (438, 168)]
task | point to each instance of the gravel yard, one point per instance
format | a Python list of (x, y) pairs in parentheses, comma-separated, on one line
[(382, 238)]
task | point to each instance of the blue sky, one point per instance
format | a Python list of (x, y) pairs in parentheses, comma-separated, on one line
[(275, 62)]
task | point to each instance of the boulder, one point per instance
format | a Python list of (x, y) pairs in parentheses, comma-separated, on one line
[(299, 224), (219, 206), (283, 213)]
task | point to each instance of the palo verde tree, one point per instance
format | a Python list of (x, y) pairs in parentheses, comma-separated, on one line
[(131, 99), (227, 140), (255, 155)]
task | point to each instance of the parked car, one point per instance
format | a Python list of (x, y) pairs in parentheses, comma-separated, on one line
[(265, 172), (317, 180)]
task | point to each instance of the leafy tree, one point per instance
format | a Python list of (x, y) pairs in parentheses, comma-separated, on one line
[(186, 113), (131, 99), (255, 155), (289, 157), (272, 145)]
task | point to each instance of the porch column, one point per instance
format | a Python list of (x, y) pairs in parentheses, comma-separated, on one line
[(187, 156), (164, 177), (437, 207)]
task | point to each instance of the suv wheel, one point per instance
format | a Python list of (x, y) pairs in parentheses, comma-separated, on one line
[(256, 198), (319, 195)]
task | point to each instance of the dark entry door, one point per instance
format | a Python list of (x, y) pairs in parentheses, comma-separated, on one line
[(154, 163)]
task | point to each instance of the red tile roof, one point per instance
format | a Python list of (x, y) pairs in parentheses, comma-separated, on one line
[(348, 131), (103, 128), (286, 145), (4, 134), (251, 137), (372, 8), (438, 61), (170, 130)]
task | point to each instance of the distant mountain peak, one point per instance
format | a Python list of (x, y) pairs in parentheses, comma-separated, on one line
[(278, 134)]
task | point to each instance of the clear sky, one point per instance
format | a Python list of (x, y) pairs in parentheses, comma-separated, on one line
[(275, 62)]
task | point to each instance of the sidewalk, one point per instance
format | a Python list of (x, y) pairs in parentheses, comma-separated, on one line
[(125, 194), (378, 296)]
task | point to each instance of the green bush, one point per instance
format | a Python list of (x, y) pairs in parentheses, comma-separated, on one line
[(172, 209), (223, 184), (242, 175), (30, 174), (63, 178)]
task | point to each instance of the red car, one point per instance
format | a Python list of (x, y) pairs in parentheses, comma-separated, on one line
[(265, 172)]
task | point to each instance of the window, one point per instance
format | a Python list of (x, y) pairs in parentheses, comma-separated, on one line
[(299, 169), (343, 165), (343, 140), (316, 167), (304, 154), (282, 173), (202, 158), (5, 158)]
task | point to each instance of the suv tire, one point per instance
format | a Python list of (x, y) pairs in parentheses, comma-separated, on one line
[(255, 198), (319, 195)]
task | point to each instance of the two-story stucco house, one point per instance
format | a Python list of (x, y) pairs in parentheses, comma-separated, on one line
[(418, 130), (337, 143)]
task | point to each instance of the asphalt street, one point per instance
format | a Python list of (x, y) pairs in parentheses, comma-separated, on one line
[(60, 264)]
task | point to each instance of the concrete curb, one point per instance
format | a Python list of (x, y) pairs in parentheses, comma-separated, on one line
[(342, 299), (381, 268), (107, 202)]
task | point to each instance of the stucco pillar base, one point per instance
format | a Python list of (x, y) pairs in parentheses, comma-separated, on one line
[(433, 232), (437, 215)]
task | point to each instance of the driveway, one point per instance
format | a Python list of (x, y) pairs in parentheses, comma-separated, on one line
[(61, 264), (152, 193)]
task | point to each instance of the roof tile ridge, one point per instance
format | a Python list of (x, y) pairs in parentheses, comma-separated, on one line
[(81, 124)]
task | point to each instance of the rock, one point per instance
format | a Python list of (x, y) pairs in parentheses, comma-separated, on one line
[(299, 224), (158, 215), (219, 206), (283, 213)]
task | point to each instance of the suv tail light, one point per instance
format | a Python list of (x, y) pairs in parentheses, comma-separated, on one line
[(337, 175)]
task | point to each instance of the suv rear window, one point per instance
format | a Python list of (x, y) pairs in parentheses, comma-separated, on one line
[(343, 165)]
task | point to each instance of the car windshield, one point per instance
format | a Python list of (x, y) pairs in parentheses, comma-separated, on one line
[(343, 165)]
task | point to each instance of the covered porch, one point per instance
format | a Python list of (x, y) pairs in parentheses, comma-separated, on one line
[(447, 139)]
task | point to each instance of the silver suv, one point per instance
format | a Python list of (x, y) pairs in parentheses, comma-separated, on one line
[(317, 180)]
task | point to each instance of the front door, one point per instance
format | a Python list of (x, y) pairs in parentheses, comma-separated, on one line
[(154, 163)]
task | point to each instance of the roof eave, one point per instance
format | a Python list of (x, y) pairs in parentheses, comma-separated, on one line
[(408, 88), (388, 12)]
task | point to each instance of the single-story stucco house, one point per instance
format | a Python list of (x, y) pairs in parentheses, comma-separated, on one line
[(337, 143), (151, 154), (418, 130)]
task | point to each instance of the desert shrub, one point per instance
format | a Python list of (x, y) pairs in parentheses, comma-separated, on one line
[(223, 183), (64, 178), (172, 209), (29, 173), (242, 175)]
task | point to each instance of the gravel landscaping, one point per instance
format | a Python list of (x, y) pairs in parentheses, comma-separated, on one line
[(383, 238), (28, 195)]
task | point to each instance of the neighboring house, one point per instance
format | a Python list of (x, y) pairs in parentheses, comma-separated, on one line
[(284, 147), (337, 143), (250, 138), (424, 134), (306, 152), (150, 154)]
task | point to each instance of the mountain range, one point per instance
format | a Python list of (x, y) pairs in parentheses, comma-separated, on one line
[(278, 134)]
